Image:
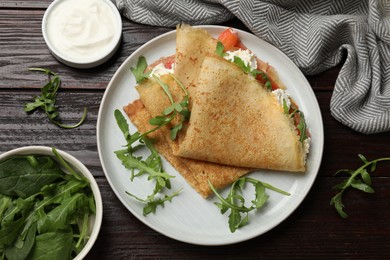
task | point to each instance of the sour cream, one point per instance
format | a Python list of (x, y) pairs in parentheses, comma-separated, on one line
[(160, 70), (245, 55), (282, 97), (306, 147), (82, 30)]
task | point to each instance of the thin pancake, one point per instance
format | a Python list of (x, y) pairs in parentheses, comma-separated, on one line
[(236, 121), (196, 173)]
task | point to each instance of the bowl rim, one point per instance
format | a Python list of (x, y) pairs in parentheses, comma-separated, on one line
[(45, 150), (88, 63)]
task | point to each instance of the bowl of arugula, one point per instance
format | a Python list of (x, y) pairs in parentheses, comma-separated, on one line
[(50, 205)]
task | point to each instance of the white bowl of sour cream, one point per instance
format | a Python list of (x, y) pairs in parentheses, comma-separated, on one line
[(82, 34)]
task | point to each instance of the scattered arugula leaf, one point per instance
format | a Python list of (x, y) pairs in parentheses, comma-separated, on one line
[(139, 70), (152, 165), (46, 101), (48, 218), (235, 201), (359, 179)]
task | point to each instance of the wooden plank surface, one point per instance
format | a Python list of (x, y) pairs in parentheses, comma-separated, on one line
[(314, 230)]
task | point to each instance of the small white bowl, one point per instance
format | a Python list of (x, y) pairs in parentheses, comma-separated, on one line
[(59, 21), (95, 221)]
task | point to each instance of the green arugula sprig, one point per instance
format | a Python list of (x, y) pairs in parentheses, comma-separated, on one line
[(302, 127), (47, 100), (359, 179), (220, 51), (139, 71), (152, 166), (286, 108), (175, 109), (235, 201)]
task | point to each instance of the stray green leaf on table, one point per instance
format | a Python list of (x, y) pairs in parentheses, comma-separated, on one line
[(47, 100), (359, 179)]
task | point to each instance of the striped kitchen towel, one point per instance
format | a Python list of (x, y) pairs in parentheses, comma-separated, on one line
[(315, 34)]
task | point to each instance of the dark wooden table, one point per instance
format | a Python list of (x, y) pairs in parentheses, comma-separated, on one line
[(314, 230)]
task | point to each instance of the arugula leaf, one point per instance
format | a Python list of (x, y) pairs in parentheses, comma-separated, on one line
[(359, 179), (131, 162), (47, 100), (240, 63), (64, 164), (175, 109), (124, 127), (59, 217), (302, 127), (175, 130), (264, 76), (286, 108), (22, 248), (235, 202), (220, 49), (139, 70), (151, 205), (11, 231), (53, 245), (152, 166), (21, 177)]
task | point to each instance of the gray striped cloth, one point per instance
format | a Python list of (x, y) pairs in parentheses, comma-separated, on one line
[(315, 34)]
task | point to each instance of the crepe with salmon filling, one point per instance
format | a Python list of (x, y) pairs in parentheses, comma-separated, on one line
[(234, 119)]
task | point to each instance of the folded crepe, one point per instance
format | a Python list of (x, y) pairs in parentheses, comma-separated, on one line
[(196, 173), (234, 119)]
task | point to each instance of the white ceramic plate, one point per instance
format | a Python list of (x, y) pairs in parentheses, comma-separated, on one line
[(189, 217)]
